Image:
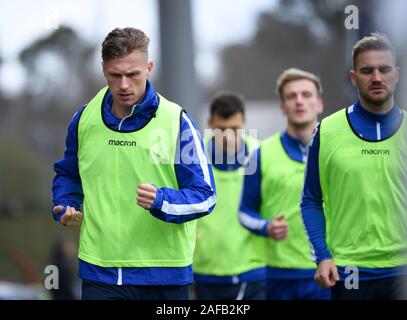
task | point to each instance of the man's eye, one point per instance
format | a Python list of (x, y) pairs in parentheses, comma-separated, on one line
[(366, 70), (385, 69)]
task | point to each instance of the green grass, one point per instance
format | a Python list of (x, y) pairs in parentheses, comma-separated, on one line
[(33, 235)]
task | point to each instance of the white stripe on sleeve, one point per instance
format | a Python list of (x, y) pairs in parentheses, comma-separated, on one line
[(201, 155), (192, 208), (250, 222), (185, 209)]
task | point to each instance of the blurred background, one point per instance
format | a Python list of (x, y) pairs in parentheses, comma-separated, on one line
[(50, 66)]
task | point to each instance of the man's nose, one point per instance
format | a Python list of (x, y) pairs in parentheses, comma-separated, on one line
[(124, 84), (299, 100), (377, 76)]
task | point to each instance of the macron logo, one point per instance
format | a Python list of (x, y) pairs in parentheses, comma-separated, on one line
[(121, 143), (375, 152)]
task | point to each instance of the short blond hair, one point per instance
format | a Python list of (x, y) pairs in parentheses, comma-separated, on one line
[(293, 74), (122, 42)]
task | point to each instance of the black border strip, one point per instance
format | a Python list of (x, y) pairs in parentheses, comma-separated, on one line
[(77, 128), (373, 141)]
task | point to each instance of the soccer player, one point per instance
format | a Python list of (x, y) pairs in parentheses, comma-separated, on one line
[(270, 203), (353, 205), (135, 162), (228, 259)]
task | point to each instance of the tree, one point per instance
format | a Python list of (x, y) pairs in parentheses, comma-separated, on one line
[(307, 34), (60, 79)]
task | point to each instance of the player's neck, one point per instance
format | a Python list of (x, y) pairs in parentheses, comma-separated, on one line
[(303, 133), (383, 108), (121, 111)]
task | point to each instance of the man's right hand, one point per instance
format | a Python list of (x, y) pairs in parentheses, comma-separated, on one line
[(327, 274), (71, 217), (278, 228)]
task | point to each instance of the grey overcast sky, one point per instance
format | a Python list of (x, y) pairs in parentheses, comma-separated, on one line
[(216, 23)]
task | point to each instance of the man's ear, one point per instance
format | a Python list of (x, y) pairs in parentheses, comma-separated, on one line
[(103, 67), (320, 106), (150, 66), (210, 123), (397, 74), (352, 74), (282, 108)]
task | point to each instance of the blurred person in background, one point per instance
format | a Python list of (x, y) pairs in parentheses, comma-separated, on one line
[(270, 204), (62, 255), (121, 169), (228, 260), (353, 204)]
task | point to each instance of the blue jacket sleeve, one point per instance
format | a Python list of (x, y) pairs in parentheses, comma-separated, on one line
[(196, 196), (67, 187), (249, 209), (311, 205)]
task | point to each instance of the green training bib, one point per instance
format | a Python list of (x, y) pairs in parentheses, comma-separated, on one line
[(115, 231), (364, 192), (224, 247), (281, 185)]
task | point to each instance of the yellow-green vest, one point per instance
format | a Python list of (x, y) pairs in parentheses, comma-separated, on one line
[(364, 192), (224, 247), (115, 231), (281, 186)]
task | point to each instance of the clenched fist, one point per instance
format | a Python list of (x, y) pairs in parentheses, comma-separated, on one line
[(71, 217), (327, 274), (146, 194), (278, 228)]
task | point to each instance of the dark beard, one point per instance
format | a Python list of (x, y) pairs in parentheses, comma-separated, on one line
[(377, 103)]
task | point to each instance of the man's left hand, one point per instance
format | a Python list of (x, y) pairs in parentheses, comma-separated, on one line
[(146, 194)]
